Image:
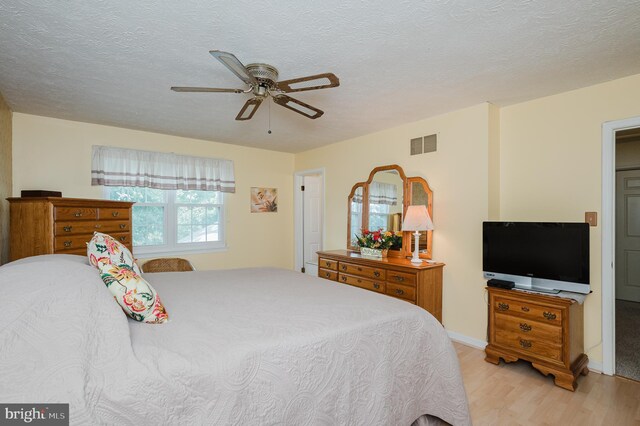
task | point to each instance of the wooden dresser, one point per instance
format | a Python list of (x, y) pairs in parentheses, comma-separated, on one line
[(544, 330), (396, 277), (64, 225)]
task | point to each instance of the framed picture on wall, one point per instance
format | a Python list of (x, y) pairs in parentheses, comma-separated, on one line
[(264, 200)]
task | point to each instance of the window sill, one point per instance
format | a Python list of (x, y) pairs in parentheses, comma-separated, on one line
[(148, 254)]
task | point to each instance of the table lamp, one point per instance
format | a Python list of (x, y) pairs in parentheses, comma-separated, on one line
[(417, 219)]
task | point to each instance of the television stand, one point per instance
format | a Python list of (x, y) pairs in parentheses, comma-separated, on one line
[(545, 330)]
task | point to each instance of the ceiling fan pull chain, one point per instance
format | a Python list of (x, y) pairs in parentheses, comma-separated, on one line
[(269, 131)]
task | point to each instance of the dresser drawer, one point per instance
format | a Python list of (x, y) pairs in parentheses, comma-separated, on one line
[(328, 264), (401, 291), (363, 271), (72, 242), (75, 213), (529, 344), (328, 274), (85, 227), (401, 278), (106, 213), (362, 283), (550, 333), (524, 309)]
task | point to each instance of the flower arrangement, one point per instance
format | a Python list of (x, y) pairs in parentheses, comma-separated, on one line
[(379, 239)]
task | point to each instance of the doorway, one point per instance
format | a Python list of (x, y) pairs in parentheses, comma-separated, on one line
[(309, 219), (615, 262), (627, 254)]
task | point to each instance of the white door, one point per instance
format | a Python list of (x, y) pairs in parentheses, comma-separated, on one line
[(312, 238), (628, 235)]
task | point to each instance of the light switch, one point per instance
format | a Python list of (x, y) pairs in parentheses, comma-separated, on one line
[(591, 218)]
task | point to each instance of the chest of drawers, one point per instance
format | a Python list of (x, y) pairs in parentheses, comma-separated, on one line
[(64, 225), (544, 330), (395, 277)]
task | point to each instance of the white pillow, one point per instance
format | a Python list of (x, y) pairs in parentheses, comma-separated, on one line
[(137, 298), (102, 247)]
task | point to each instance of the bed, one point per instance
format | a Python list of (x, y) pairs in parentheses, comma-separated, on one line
[(256, 346)]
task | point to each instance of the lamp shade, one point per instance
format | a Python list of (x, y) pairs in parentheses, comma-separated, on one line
[(417, 219)]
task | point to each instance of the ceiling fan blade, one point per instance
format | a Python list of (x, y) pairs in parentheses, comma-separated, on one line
[(249, 108), (286, 85), (235, 66), (298, 106), (205, 89)]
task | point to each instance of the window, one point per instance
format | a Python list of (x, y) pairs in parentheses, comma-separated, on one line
[(173, 220), (378, 216)]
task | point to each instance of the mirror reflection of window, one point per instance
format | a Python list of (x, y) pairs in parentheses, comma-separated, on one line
[(356, 216), (386, 201)]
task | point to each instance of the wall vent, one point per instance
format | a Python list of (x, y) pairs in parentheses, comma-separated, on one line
[(424, 144)]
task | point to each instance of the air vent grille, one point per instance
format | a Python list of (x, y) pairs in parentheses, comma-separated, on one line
[(424, 144)]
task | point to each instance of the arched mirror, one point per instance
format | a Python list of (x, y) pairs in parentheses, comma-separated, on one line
[(382, 201)]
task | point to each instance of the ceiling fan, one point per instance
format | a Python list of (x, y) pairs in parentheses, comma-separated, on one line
[(262, 80)]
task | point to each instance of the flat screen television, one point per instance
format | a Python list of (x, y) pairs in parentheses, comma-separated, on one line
[(541, 256)]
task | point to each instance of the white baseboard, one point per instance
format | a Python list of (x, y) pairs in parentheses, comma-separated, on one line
[(466, 340), (594, 366)]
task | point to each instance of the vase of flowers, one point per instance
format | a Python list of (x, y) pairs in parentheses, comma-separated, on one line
[(377, 243)]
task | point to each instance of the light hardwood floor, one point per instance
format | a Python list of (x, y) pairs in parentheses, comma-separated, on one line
[(517, 394)]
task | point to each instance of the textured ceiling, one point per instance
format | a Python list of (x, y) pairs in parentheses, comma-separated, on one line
[(112, 61)]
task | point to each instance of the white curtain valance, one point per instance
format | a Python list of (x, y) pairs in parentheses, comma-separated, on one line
[(129, 167), (383, 193)]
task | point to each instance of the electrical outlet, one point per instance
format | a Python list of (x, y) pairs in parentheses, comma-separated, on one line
[(591, 218)]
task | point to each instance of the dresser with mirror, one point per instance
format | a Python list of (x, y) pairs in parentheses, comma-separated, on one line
[(381, 202)]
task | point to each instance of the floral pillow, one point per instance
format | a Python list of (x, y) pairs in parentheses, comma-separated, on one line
[(103, 247), (133, 293)]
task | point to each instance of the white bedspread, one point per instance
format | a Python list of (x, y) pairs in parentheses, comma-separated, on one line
[(246, 347)]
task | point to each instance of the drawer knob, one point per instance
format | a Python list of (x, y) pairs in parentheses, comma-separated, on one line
[(122, 226), (399, 291), (344, 267), (115, 214), (78, 214), (343, 278), (549, 315), (326, 274), (67, 243), (359, 269), (98, 226), (376, 286), (67, 228), (503, 306), (524, 309), (398, 278), (525, 327), (123, 239), (376, 274), (328, 263), (526, 344)]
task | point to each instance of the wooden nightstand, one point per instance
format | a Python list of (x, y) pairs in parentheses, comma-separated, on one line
[(544, 330)]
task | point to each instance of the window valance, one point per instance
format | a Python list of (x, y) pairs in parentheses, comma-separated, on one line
[(129, 167), (383, 193)]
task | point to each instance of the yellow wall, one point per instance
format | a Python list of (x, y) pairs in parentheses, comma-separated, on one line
[(56, 155), (551, 166), (458, 175), (5, 177)]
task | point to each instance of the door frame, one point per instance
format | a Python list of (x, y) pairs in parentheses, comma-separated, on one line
[(298, 212), (609, 130)]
